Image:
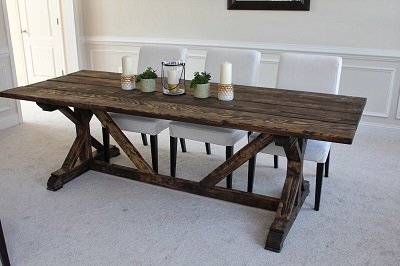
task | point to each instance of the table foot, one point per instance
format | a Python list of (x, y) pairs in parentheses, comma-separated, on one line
[(281, 227), (61, 177), (99, 155)]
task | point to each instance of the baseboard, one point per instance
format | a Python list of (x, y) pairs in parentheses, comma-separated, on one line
[(10, 121), (374, 129)]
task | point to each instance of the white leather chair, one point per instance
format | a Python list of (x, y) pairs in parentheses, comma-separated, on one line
[(314, 73), (150, 56), (245, 71)]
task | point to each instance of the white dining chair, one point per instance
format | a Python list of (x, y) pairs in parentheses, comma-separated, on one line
[(314, 73), (245, 71), (149, 56)]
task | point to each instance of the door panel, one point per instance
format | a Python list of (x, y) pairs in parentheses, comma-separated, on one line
[(43, 61), (42, 37)]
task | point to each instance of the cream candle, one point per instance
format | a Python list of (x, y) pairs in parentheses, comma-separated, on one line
[(127, 66), (226, 73), (173, 77)]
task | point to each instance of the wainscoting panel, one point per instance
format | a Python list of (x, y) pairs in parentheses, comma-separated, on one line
[(110, 60), (194, 62), (5, 104), (268, 72), (366, 73), (376, 84), (9, 109)]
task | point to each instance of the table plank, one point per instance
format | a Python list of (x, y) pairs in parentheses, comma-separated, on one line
[(273, 124), (280, 112), (281, 96), (280, 108)]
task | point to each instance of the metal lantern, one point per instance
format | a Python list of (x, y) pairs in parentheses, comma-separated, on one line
[(173, 77)]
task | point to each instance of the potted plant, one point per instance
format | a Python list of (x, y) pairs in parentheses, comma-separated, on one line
[(201, 84), (147, 80)]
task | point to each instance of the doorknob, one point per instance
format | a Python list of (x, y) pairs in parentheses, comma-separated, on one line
[(24, 31)]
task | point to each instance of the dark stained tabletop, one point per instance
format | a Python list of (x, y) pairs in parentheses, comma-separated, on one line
[(279, 112)]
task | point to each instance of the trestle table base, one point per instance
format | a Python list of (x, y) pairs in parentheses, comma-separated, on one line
[(81, 159)]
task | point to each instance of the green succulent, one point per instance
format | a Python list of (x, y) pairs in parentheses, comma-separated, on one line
[(200, 78), (149, 73)]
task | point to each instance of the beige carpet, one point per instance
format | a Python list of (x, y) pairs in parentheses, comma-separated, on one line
[(99, 219)]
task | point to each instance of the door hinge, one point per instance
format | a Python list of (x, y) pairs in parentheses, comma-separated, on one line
[(62, 72), (58, 22)]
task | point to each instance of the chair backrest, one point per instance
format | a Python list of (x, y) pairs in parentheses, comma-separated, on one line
[(153, 55), (314, 73), (245, 65)]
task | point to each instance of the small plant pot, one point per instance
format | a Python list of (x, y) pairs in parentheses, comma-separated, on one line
[(202, 90), (147, 85)]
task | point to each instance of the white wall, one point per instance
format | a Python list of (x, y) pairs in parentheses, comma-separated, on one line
[(69, 29), (364, 32), (10, 112), (355, 23)]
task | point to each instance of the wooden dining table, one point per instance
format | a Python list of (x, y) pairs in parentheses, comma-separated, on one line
[(285, 117)]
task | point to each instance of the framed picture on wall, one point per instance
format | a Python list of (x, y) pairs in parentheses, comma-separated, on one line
[(300, 5)]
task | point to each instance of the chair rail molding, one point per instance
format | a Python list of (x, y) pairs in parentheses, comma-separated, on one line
[(345, 52), (370, 73)]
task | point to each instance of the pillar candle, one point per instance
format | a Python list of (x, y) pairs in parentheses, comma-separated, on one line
[(173, 77), (226, 73), (127, 65)]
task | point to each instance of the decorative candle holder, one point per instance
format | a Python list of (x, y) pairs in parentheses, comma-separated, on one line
[(128, 82), (173, 77), (225, 92)]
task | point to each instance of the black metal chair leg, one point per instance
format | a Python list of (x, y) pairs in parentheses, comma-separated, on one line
[(106, 144), (327, 164), (318, 185), (3, 249), (154, 152), (173, 146), (208, 148), (276, 159), (248, 135), (229, 153), (183, 144), (144, 139), (251, 173)]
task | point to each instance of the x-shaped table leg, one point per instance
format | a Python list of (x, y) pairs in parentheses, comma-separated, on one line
[(80, 153), (294, 192)]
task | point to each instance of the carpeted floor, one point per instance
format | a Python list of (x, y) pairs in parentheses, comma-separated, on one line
[(99, 219)]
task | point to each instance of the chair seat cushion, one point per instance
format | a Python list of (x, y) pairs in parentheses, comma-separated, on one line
[(210, 134), (139, 124), (316, 151)]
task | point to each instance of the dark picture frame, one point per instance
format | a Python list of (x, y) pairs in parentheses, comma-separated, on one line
[(300, 5)]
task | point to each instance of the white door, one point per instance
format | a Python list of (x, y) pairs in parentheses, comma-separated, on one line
[(42, 39)]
